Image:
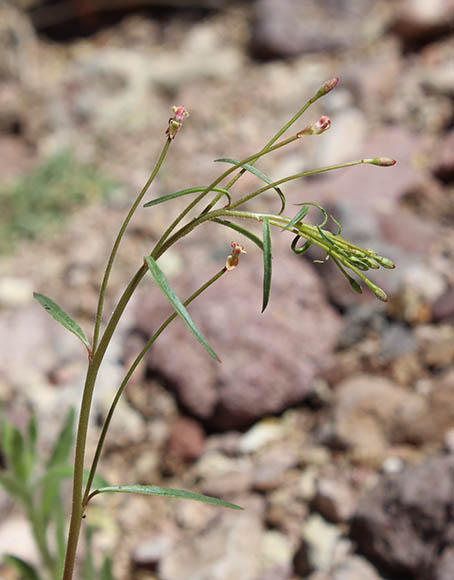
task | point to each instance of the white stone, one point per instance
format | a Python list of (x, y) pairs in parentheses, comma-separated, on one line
[(321, 538), (260, 434)]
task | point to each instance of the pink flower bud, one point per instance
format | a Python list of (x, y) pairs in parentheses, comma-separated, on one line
[(381, 161), (329, 85), (322, 125), (233, 258), (176, 121)]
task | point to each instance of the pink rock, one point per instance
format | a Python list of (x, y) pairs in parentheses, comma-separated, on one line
[(269, 360)]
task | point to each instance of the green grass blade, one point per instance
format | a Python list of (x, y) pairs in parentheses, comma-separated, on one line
[(60, 316), (257, 241), (299, 216), (258, 174), (13, 486), (182, 192), (164, 285), (26, 571), (106, 570), (267, 258), (165, 492)]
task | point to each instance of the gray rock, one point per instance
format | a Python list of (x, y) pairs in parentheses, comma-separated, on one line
[(220, 552), (269, 360), (291, 27), (403, 524)]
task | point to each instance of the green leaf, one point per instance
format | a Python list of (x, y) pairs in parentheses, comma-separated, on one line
[(164, 285), (165, 492), (257, 241), (299, 216), (258, 174), (303, 248), (165, 198), (106, 570), (13, 486), (6, 439), (19, 460), (267, 258), (63, 444), (26, 571), (88, 568), (60, 316)]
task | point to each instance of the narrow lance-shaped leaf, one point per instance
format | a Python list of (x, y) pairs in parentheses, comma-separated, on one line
[(182, 192), (165, 492), (267, 258), (60, 316), (299, 216), (258, 174), (164, 285)]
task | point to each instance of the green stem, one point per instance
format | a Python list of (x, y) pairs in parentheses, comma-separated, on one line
[(210, 187), (296, 176), (281, 131), (113, 253), (128, 375)]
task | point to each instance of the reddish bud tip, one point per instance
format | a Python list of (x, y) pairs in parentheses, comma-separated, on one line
[(322, 125), (329, 85), (382, 161)]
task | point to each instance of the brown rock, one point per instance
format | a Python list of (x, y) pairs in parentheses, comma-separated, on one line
[(269, 360), (334, 499), (371, 412), (186, 439), (404, 522)]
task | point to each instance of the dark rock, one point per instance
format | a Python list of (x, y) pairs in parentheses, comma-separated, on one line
[(443, 166), (269, 361), (291, 27), (403, 524)]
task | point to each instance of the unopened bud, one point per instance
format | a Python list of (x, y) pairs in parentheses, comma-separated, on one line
[(233, 258), (176, 121), (322, 125), (329, 85), (379, 293), (385, 262), (381, 161)]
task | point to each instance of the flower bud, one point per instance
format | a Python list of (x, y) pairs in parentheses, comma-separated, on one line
[(322, 125), (233, 258), (329, 85), (175, 122), (381, 161), (379, 293)]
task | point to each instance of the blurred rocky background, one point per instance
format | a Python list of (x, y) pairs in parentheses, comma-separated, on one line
[(331, 418)]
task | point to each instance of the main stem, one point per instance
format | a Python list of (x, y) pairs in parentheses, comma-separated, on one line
[(92, 372)]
